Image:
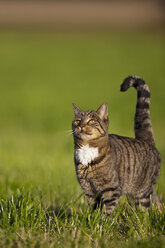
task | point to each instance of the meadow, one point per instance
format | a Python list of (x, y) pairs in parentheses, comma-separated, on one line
[(41, 75)]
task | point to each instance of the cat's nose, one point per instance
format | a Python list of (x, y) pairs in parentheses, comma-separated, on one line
[(82, 125)]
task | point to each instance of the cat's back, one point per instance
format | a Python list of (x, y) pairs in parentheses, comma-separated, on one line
[(129, 146), (136, 161)]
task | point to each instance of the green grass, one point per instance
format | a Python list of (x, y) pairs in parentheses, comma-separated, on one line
[(41, 75)]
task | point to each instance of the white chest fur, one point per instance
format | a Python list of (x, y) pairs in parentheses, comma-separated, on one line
[(86, 154)]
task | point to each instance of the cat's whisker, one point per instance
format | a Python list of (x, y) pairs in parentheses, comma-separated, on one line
[(69, 132)]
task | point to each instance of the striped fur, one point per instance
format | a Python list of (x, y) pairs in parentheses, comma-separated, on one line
[(142, 125), (121, 165)]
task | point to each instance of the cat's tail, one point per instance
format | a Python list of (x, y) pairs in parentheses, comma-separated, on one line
[(142, 122)]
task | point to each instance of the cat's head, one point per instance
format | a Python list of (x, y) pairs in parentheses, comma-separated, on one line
[(89, 125)]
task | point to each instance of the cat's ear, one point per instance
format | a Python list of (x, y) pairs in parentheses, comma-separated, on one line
[(103, 112), (76, 109)]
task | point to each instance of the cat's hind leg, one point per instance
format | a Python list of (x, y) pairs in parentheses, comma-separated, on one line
[(144, 200), (157, 202)]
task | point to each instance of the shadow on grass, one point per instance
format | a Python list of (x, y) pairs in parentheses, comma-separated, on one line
[(59, 211)]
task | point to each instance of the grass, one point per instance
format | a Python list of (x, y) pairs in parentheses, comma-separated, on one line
[(41, 203)]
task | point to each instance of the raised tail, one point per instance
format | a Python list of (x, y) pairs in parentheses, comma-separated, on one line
[(142, 122)]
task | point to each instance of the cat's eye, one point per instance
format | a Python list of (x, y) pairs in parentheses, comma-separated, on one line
[(91, 122), (76, 122)]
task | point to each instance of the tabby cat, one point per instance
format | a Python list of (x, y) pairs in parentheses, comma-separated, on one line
[(109, 165)]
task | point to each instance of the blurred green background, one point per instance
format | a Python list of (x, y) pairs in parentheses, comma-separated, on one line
[(44, 69), (43, 73)]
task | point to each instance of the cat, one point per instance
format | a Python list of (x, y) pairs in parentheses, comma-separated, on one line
[(109, 165)]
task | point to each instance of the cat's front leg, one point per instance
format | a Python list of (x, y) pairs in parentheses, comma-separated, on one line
[(89, 190), (94, 201), (110, 197)]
